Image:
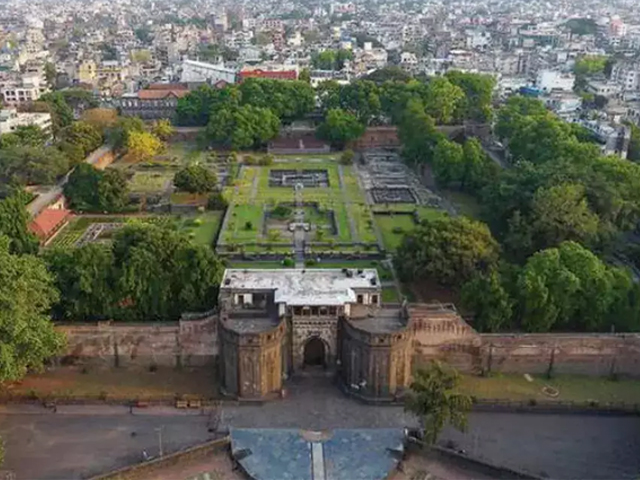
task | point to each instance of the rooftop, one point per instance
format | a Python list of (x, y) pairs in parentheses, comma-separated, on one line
[(382, 320), (251, 321), (304, 287)]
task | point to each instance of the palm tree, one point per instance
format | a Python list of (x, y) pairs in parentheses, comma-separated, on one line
[(434, 399)]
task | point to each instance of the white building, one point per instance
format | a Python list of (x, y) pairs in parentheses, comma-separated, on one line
[(194, 72), (553, 80), (10, 119)]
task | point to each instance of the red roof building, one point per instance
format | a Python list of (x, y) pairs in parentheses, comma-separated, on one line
[(158, 101), (272, 74), (48, 222)]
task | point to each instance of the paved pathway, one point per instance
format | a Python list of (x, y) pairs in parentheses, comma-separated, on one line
[(78, 440), (347, 202), (254, 186)]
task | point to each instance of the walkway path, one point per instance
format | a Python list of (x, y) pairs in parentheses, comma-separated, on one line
[(347, 203), (254, 186), (47, 198)]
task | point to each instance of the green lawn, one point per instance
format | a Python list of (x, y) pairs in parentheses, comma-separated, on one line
[(241, 215), (466, 204), (390, 295), (150, 181), (256, 265), (394, 227), (202, 228), (570, 388)]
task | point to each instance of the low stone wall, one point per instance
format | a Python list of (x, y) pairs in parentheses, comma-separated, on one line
[(156, 466), (190, 342)]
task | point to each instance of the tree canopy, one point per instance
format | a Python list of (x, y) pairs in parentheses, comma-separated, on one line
[(340, 127), (243, 127), (448, 250), (92, 190), (153, 273), (195, 179), (434, 398), (27, 336)]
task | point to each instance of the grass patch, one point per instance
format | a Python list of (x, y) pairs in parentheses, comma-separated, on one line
[(465, 203), (203, 228), (149, 182), (118, 384), (395, 226), (256, 265), (574, 388), (390, 295)]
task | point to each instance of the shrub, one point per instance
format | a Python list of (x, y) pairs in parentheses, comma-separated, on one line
[(216, 201), (398, 230), (347, 157), (288, 262), (248, 226)]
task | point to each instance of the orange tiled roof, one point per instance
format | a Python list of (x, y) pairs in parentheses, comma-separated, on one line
[(276, 75), (47, 221), (160, 94)]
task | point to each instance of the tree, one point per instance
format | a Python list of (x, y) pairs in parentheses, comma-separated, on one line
[(85, 276), (449, 250), (24, 135), (61, 112), (82, 134), (288, 100), (125, 126), (161, 274), (50, 75), (195, 179), (434, 398), (478, 90), (27, 335), (305, 75), (242, 127), (331, 59), (570, 288), (100, 118), (443, 99), (143, 146), (562, 213), (340, 127), (418, 134), (216, 201), (27, 165), (448, 162), (14, 220), (490, 303), (634, 145), (162, 129), (194, 109), (590, 65), (93, 190)]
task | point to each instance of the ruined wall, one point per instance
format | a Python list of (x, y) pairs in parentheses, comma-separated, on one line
[(189, 342)]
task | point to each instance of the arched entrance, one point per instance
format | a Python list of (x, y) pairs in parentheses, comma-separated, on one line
[(314, 352)]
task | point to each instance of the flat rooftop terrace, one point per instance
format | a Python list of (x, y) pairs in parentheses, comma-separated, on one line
[(303, 287)]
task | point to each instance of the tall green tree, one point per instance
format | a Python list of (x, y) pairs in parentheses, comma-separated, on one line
[(242, 127), (85, 276), (449, 250), (92, 190), (569, 288), (340, 127), (27, 336), (14, 221), (448, 162), (195, 179), (490, 303), (435, 399), (418, 134), (443, 100), (478, 89)]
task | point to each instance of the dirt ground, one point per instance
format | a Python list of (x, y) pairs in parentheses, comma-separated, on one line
[(116, 384)]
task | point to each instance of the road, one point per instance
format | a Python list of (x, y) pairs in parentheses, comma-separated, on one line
[(78, 441), (50, 196)]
